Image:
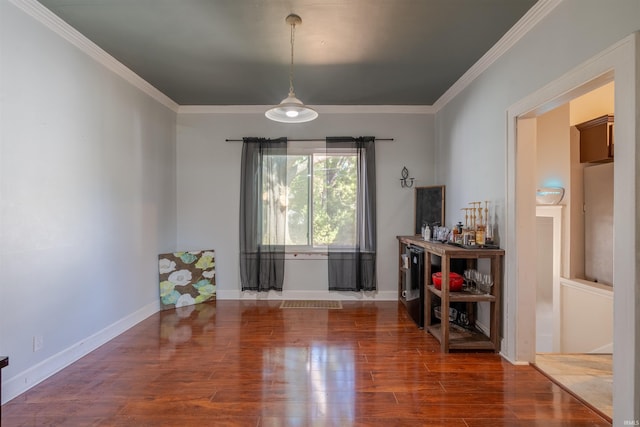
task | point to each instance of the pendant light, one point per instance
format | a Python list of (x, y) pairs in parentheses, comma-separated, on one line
[(291, 109)]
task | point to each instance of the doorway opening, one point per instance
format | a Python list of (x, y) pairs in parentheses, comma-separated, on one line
[(574, 280)]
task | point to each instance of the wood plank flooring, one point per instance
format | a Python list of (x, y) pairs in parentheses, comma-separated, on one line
[(250, 363)]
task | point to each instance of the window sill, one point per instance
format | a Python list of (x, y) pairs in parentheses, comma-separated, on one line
[(305, 255)]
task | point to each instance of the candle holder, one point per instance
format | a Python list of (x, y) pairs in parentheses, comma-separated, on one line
[(405, 181)]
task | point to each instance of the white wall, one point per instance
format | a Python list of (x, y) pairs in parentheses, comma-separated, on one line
[(87, 186), (586, 317), (552, 150), (553, 166), (474, 125), (544, 282), (471, 129), (209, 188)]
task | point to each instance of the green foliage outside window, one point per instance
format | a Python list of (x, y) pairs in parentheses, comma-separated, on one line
[(334, 201), (327, 184)]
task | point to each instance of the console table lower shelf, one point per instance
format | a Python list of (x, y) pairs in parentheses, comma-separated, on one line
[(461, 338)]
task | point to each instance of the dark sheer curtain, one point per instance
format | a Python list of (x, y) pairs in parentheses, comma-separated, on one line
[(353, 267), (262, 213)]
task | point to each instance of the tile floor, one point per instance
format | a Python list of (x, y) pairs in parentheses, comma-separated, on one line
[(589, 376)]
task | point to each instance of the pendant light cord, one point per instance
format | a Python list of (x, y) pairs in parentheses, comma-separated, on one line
[(291, 109), (293, 35)]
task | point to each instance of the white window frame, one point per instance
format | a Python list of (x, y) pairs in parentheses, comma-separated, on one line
[(309, 148)]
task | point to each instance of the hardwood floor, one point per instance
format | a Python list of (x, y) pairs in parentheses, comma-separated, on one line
[(250, 363)]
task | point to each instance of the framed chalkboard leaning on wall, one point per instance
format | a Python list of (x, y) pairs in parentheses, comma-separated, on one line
[(429, 206)]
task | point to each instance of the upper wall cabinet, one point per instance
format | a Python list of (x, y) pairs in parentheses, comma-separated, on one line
[(596, 140)]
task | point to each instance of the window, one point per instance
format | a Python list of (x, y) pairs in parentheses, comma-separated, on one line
[(315, 198), (318, 204)]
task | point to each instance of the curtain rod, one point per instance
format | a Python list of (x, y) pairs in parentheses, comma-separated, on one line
[(308, 140)]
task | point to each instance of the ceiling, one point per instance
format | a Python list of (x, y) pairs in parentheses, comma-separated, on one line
[(347, 52)]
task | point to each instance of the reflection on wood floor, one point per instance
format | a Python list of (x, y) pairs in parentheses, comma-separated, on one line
[(589, 376), (250, 363)]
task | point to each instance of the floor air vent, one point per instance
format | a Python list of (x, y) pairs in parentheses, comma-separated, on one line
[(331, 305)]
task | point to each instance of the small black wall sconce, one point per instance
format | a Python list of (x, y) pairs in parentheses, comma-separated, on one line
[(405, 181)]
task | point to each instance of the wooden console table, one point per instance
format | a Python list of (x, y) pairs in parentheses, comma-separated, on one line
[(456, 338)]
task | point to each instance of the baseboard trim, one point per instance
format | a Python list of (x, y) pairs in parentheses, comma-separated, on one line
[(484, 328), (24, 380), (514, 362), (605, 349), (307, 295)]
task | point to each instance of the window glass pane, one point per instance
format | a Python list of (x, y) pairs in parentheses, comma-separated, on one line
[(298, 200), (285, 204), (316, 204), (274, 198), (334, 199)]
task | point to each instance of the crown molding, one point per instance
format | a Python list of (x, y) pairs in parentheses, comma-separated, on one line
[(73, 36), (37, 11), (375, 109), (322, 109), (530, 19)]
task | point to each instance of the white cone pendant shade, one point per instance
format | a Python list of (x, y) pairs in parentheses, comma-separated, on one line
[(291, 109)]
